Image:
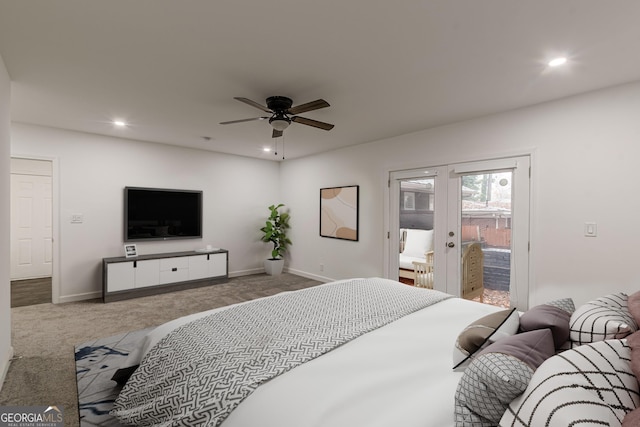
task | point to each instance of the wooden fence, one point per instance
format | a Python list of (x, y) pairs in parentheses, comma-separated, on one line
[(492, 237)]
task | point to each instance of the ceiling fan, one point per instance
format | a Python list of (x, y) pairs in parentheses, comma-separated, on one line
[(282, 113)]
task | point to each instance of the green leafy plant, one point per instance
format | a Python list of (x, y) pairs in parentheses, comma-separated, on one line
[(275, 231)]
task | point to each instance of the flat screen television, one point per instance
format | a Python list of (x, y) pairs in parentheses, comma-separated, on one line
[(161, 214)]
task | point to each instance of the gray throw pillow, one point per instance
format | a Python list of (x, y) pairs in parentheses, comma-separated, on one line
[(499, 374)]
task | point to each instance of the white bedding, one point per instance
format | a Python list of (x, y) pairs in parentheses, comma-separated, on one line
[(399, 374)]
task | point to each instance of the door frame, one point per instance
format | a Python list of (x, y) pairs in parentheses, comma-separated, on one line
[(55, 220), (390, 219)]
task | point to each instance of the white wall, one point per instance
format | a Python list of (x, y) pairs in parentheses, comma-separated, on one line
[(585, 152), (91, 172), (585, 149), (6, 351)]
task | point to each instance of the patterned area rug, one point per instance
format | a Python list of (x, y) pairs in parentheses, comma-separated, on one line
[(96, 362)]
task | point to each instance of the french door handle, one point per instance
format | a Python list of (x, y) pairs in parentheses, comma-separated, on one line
[(450, 245)]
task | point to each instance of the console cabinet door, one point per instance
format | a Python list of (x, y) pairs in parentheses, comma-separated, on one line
[(198, 267), (120, 276), (217, 265), (147, 273), (205, 266)]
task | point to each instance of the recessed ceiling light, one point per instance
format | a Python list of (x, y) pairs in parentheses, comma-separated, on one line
[(120, 123), (266, 149), (556, 62)]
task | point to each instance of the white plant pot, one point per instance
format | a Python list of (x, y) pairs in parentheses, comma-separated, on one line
[(273, 267)]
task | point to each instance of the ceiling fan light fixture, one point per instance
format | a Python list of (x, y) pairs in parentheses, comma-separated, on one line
[(279, 123), (282, 113)]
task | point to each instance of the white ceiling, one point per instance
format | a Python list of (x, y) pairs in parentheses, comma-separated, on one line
[(172, 67)]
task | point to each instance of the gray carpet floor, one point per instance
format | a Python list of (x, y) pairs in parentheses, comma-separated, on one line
[(44, 335)]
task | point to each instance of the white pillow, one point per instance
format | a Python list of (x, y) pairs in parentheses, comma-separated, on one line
[(592, 382), (604, 318), (418, 242)]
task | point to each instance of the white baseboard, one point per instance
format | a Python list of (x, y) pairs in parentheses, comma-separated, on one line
[(286, 270), (80, 297), (5, 361), (246, 272), (309, 275)]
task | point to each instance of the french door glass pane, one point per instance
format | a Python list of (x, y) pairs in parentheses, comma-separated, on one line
[(486, 219), (416, 212)]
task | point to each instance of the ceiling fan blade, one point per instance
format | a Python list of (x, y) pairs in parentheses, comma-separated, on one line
[(310, 122), (309, 106), (253, 104), (276, 134), (243, 120)]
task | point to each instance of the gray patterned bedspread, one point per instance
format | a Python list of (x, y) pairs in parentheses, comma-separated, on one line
[(200, 372)]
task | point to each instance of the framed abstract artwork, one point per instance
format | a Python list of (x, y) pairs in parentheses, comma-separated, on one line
[(339, 212)]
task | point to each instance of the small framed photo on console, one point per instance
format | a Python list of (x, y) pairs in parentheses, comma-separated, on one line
[(130, 251)]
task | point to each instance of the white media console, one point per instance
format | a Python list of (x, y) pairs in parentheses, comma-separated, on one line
[(124, 278)]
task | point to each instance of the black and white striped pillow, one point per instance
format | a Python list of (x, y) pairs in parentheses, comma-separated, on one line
[(590, 385), (604, 318)]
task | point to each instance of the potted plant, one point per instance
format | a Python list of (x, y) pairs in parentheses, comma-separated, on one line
[(275, 231)]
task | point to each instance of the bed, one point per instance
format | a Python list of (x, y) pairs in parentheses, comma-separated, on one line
[(395, 373)]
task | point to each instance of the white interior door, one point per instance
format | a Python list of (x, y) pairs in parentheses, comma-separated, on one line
[(31, 226), (490, 197)]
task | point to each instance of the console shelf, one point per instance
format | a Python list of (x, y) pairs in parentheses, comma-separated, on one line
[(124, 278)]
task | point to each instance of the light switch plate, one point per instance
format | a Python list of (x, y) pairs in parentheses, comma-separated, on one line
[(590, 229)]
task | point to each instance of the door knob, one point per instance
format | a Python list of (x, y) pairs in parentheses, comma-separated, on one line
[(451, 244)]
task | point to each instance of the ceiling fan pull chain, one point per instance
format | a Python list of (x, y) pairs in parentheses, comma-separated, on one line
[(282, 146)]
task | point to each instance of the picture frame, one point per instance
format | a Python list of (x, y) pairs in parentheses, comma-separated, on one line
[(130, 251), (339, 212)]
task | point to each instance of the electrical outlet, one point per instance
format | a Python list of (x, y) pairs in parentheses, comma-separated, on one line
[(76, 219), (321, 267)]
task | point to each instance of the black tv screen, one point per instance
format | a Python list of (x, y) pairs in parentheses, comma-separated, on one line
[(161, 214)]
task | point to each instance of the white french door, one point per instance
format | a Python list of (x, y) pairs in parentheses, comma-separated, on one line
[(484, 204)]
